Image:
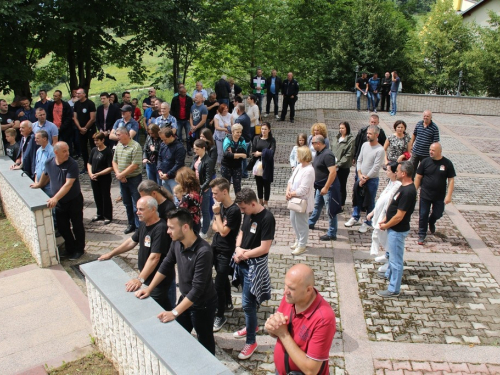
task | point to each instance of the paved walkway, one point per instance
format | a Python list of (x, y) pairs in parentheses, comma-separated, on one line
[(447, 320), (45, 320)]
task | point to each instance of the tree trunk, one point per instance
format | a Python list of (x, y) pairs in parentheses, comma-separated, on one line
[(70, 55)]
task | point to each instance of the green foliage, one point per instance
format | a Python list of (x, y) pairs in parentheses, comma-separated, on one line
[(487, 55)]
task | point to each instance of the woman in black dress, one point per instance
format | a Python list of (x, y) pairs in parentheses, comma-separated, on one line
[(99, 168), (263, 149)]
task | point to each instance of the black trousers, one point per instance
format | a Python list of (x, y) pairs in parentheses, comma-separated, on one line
[(86, 141), (222, 284), (343, 174), (102, 196), (263, 188), (274, 98), (287, 101), (201, 318), (386, 100), (415, 160), (71, 214)]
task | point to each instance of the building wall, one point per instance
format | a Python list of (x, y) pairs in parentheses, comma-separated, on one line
[(480, 13)]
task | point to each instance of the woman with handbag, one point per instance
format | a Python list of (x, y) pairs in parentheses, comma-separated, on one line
[(262, 163), (398, 146), (300, 197)]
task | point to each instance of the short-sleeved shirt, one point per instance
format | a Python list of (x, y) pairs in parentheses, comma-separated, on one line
[(397, 146), (362, 82), (127, 155), (57, 113), (152, 239), (130, 125), (257, 228), (58, 175), (197, 111), (49, 127), (312, 330), (424, 137), (170, 121), (7, 118), (42, 155), (404, 200), (435, 174), (12, 150), (231, 218), (83, 111), (164, 208), (322, 161), (395, 84), (100, 160)]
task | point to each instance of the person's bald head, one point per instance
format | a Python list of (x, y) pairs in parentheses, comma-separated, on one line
[(299, 284), (436, 151)]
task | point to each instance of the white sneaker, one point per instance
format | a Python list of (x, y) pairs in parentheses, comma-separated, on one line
[(203, 235), (352, 221), (294, 245), (381, 259), (363, 228), (277, 117), (299, 250), (383, 268), (265, 115)]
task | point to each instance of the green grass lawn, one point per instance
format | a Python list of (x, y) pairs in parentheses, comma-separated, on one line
[(13, 251), (92, 364)]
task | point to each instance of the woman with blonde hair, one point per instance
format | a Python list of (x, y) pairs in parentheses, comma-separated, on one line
[(318, 129), (301, 185), (191, 200)]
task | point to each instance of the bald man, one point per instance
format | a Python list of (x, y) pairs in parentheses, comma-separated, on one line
[(433, 174), (312, 321), (425, 133)]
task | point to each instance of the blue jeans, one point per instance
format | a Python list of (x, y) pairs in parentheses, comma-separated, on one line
[(373, 100), (244, 164), (359, 94), (130, 196), (169, 184), (372, 185), (319, 202), (394, 107), (248, 303), (205, 210), (260, 98), (152, 173), (424, 210), (396, 248), (184, 125), (225, 101)]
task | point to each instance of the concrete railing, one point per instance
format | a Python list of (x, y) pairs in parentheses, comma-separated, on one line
[(27, 211), (128, 332), (406, 102)]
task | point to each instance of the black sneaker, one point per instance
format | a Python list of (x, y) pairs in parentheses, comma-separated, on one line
[(387, 294), (326, 237), (432, 228), (311, 226), (219, 322), (421, 240), (75, 256), (83, 171), (229, 307)]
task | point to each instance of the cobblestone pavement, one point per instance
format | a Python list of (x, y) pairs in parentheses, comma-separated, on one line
[(447, 320)]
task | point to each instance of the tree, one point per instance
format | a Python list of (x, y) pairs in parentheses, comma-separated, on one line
[(488, 55)]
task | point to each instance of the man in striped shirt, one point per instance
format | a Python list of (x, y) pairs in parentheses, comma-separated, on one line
[(127, 164), (426, 133)]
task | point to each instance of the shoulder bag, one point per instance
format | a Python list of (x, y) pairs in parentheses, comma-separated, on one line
[(297, 204)]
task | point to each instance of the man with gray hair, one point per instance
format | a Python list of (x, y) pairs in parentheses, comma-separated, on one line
[(371, 158), (200, 90), (152, 238), (26, 158), (397, 224), (127, 164), (166, 119)]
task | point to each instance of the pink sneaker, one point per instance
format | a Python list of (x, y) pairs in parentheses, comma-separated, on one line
[(247, 351), (242, 333)]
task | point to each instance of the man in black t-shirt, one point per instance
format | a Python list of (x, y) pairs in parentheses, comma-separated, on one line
[(432, 175), (62, 172), (7, 119), (84, 117), (397, 224), (362, 89), (152, 239), (252, 246), (227, 221)]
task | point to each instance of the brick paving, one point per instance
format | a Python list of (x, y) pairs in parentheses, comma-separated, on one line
[(444, 302)]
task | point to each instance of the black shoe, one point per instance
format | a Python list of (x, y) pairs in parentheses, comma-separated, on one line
[(107, 221), (421, 240), (432, 228), (58, 234), (219, 322), (280, 120), (97, 218), (190, 153), (129, 229), (229, 307), (76, 255), (326, 237), (83, 171), (292, 121), (311, 226)]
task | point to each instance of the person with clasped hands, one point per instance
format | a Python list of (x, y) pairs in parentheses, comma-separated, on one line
[(304, 325)]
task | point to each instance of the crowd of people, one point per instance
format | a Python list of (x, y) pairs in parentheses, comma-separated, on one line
[(171, 213)]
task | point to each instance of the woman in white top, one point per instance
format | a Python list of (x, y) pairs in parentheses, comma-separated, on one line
[(379, 237), (301, 185), (301, 141), (253, 111), (222, 125)]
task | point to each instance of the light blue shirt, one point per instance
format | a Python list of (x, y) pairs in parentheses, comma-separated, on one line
[(130, 125), (49, 127), (273, 85), (162, 122), (202, 92), (42, 155)]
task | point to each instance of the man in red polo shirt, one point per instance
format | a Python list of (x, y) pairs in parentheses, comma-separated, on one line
[(304, 325)]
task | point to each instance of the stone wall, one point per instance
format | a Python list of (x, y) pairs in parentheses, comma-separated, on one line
[(28, 213), (128, 332), (406, 103)]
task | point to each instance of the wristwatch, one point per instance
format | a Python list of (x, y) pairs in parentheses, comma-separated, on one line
[(174, 311), (141, 280)]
